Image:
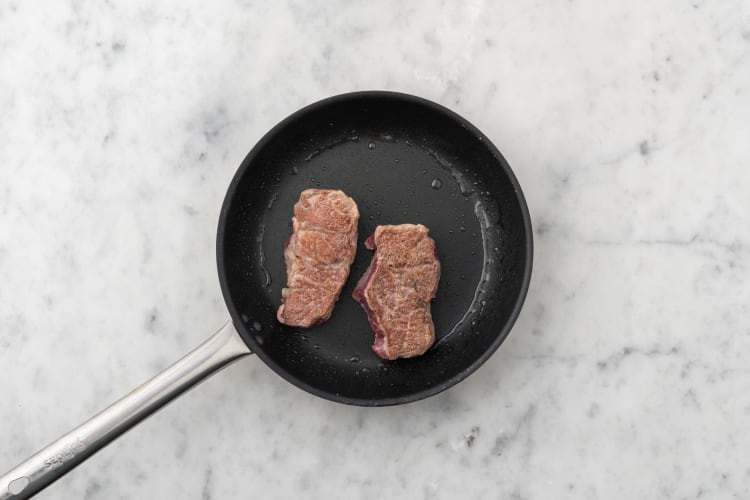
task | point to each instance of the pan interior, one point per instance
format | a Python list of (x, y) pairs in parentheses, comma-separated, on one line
[(403, 160)]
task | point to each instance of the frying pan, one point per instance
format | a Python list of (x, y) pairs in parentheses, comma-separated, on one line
[(403, 159)]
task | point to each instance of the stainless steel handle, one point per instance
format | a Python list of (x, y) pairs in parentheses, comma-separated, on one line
[(51, 463)]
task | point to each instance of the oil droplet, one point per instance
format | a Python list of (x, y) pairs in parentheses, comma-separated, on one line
[(262, 258), (462, 229), (465, 190), (371, 145), (294, 170), (404, 212), (365, 370), (259, 339), (370, 188), (273, 199), (257, 326), (450, 231), (461, 276), (395, 160), (316, 346), (244, 317), (377, 212), (436, 183), (371, 217), (354, 359)]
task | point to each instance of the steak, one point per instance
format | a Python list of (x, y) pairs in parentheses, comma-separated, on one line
[(397, 288), (318, 255)]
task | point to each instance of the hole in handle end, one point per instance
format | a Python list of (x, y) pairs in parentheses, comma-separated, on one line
[(18, 485)]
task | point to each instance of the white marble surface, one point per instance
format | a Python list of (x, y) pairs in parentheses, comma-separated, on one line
[(627, 124)]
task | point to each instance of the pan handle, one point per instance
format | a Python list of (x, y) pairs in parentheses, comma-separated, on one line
[(51, 463)]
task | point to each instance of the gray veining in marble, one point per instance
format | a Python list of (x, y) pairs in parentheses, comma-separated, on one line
[(627, 373)]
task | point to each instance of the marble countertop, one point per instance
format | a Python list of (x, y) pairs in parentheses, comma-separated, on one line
[(626, 375)]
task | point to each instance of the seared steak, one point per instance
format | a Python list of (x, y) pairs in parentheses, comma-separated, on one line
[(318, 255), (396, 290)]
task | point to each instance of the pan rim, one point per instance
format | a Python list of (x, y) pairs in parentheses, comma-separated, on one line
[(242, 326)]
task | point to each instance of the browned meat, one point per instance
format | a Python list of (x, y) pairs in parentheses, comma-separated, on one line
[(318, 255), (396, 290)]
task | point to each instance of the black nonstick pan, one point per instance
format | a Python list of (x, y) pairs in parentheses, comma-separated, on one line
[(404, 160)]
